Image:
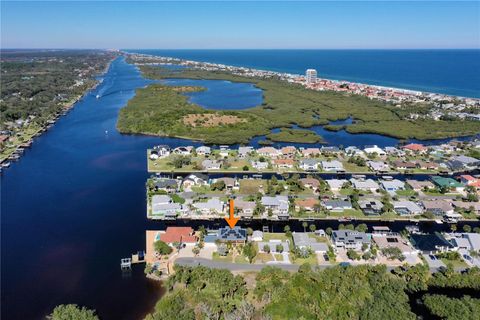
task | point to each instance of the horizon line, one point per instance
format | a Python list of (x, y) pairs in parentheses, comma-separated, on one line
[(120, 49)]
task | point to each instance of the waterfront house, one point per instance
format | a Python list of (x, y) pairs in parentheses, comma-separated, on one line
[(230, 183), (468, 180), (268, 152), (256, 236), (454, 165), (211, 206), (350, 240), (289, 151), (309, 164), (370, 206), (224, 151), (378, 166), (303, 241), (284, 163), (404, 165), (332, 166), (394, 151), (475, 206), (184, 151), (211, 164), (244, 208), (394, 240), (406, 208), (165, 184), (310, 183), (431, 243), (337, 205), (336, 184), (204, 151), (364, 185), (243, 152), (161, 151), (329, 149), (420, 185), (194, 179), (392, 185), (415, 148), (164, 207), (259, 165), (178, 235), (438, 207), (448, 184), (467, 162), (278, 204), (234, 235), (307, 204), (374, 149), (354, 151), (310, 152)]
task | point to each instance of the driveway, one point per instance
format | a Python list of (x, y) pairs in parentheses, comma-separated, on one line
[(434, 265)]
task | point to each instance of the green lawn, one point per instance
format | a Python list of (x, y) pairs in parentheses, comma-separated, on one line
[(251, 186), (406, 192), (263, 257), (267, 236), (455, 263), (312, 260), (278, 257)]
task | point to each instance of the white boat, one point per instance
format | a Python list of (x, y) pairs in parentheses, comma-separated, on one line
[(98, 96)]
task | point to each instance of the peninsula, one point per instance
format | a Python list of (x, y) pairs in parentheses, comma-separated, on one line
[(287, 103)]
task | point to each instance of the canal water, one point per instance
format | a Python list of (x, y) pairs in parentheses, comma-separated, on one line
[(74, 205)]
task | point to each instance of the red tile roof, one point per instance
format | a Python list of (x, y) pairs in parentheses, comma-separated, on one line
[(415, 147), (178, 234)]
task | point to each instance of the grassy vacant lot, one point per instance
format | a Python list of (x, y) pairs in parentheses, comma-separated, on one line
[(284, 105)]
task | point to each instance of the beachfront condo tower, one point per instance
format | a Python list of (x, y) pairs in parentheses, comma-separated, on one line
[(311, 75)]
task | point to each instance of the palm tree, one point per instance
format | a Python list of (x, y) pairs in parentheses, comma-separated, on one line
[(304, 225), (313, 228)]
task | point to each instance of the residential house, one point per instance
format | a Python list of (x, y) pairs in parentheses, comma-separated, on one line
[(259, 165), (431, 243), (165, 184), (354, 151), (235, 235), (309, 164), (289, 151), (230, 183), (284, 163), (374, 149), (392, 185), (224, 151), (310, 183), (467, 162), (333, 166), (350, 240), (268, 152), (184, 151), (415, 148), (394, 240), (425, 165), (378, 166), (407, 208), (307, 204), (364, 185), (329, 149), (178, 235), (337, 205), (211, 164), (243, 152), (467, 206), (310, 152), (161, 151), (370, 206), (278, 204), (448, 184), (336, 184), (194, 179), (204, 151), (438, 207), (404, 165), (163, 207), (420, 185), (468, 180), (244, 208), (256, 236), (303, 241), (211, 206)]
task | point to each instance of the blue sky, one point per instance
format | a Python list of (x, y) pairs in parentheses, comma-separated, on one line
[(360, 25)]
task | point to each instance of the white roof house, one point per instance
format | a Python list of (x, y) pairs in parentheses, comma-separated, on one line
[(336, 184), (392, 185), (212, 205), (406, 207), (374, 149), (333, 165), (365, 185)]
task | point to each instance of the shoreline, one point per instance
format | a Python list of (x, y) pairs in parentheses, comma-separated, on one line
[(18, 151), (181, 60)]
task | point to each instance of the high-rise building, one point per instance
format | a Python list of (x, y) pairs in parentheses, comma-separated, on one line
[(311, 75)]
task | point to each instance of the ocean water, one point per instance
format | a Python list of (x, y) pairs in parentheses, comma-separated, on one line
[(453, 72)]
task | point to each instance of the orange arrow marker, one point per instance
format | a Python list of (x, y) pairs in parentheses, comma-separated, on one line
[(232, 221)]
